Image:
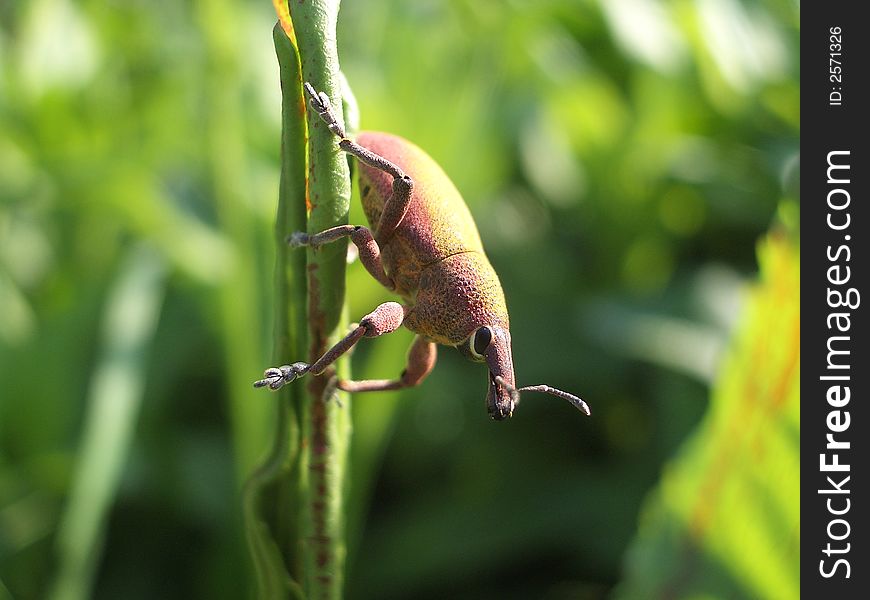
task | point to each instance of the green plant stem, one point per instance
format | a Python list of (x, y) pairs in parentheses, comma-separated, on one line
[(294, 504), (326, 423)]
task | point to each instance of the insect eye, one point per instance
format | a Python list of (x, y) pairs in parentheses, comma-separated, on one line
[(482, 338)]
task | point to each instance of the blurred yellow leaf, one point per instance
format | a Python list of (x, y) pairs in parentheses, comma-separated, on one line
[(725, 520)]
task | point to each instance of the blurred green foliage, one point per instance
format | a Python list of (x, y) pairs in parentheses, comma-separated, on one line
[(622, 160)]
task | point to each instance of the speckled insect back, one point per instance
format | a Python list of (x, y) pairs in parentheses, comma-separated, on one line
[(423, 245), (441, 267)]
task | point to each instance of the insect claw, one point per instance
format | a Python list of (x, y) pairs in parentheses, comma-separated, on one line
[(271, 378), (319, 101), (277, 377), (315, 99), (298, 239)]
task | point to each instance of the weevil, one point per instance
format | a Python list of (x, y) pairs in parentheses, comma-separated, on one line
[(423, 245)]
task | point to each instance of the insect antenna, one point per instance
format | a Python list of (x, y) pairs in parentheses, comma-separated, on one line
[(575, 401)]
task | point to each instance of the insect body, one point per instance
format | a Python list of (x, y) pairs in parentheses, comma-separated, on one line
[(423, 245)]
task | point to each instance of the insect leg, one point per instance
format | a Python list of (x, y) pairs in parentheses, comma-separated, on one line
[(421, 360), (397, 204), (369, 251), (386, 318)]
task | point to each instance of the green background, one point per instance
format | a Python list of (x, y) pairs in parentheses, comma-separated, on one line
[(633, 169)]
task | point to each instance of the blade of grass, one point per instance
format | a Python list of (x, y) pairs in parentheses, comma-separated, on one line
[(238, 298), (113, 405), (294, 504)]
